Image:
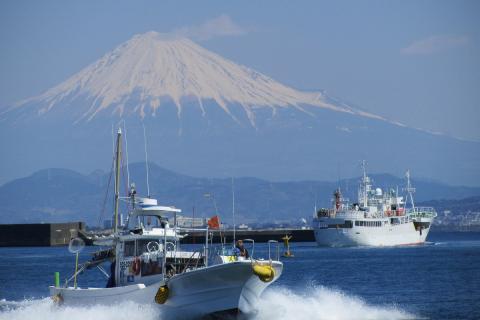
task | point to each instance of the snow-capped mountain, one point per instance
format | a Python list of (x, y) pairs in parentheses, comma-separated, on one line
[(208, 116), (155, 69)]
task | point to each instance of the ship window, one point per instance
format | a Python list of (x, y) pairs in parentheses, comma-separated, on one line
[(142, 246), (129, 248), (357, 223)]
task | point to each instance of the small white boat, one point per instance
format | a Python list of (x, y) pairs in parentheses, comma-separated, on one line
[(148, 265)]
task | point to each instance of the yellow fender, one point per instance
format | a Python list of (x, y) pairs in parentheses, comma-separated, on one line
[(265, 273), (162, 295)]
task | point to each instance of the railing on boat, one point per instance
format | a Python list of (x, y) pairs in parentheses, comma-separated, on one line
[(422, 212)]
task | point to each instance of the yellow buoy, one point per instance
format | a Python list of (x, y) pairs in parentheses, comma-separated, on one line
[(287, 253), (265, 273), (162, 295)]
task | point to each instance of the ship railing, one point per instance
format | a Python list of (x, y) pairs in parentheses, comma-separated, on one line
[(269, 250), (351, 215), (327, 213), (422, 212)]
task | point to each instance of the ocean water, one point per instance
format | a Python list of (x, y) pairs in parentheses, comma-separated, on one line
[(438, 280)]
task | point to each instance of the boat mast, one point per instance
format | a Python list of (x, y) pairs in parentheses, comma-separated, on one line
[(146, 159), (410, 189), (117, 179), (233, 212), (365, 200)]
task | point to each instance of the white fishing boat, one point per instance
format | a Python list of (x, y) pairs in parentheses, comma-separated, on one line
[(149, 265), (379, 218)]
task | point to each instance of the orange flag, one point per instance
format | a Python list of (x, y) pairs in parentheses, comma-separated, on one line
[(214, 223)]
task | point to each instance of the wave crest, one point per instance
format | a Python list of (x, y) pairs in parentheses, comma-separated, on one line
[(44, 309), (318, 303)]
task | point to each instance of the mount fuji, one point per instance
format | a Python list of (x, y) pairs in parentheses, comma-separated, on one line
[(152, 70), (208, 116)]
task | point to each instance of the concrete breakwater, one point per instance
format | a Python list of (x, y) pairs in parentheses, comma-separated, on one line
[(59, 234), (260, 235), (39, 234)]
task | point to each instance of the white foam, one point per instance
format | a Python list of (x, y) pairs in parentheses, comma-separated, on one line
[(315, 303), (44, 309), (318, 303)]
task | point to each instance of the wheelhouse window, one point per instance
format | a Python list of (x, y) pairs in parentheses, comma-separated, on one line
[(147, 221), (142, 246), (129, 248)]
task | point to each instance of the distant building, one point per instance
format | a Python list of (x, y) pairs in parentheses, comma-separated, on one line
[(243, 226)]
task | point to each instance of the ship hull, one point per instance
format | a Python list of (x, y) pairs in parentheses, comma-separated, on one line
[(210, 290), (387, 235)]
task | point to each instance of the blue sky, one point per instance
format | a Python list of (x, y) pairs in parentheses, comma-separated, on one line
[(414, 61)]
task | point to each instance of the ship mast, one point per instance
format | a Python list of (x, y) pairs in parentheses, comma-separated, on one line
[(365, 182), (410, 189), (117, 179)]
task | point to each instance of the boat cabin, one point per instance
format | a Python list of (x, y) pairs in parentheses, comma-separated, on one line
[(148, 249)]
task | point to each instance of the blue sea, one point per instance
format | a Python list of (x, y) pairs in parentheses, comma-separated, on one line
[(438, 280)]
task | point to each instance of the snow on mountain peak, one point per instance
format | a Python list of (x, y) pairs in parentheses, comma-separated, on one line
[(157, 67)]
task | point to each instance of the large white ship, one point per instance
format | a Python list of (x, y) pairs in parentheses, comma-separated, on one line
[(379, 218)]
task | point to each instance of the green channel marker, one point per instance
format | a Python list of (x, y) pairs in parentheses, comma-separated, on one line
[(57, 279)]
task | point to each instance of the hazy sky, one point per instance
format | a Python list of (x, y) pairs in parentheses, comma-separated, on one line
[(414, 61)]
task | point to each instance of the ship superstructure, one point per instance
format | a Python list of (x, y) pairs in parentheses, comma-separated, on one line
[(378, 218)]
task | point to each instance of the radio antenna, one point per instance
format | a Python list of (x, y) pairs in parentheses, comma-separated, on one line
[(233, 211), (126, 152), (146, 158)]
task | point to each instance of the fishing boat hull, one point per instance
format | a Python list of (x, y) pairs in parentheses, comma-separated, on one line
[(214, 289), (386, 235)]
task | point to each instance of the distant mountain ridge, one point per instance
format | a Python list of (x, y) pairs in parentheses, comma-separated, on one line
[(55, 195)]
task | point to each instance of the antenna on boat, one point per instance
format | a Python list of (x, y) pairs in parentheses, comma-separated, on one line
[(146, 158), (117, 178), (126, 152), (233, 212), (365, 182), (410, 190)]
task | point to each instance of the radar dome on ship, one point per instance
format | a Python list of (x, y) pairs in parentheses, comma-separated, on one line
[(378, 192)]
